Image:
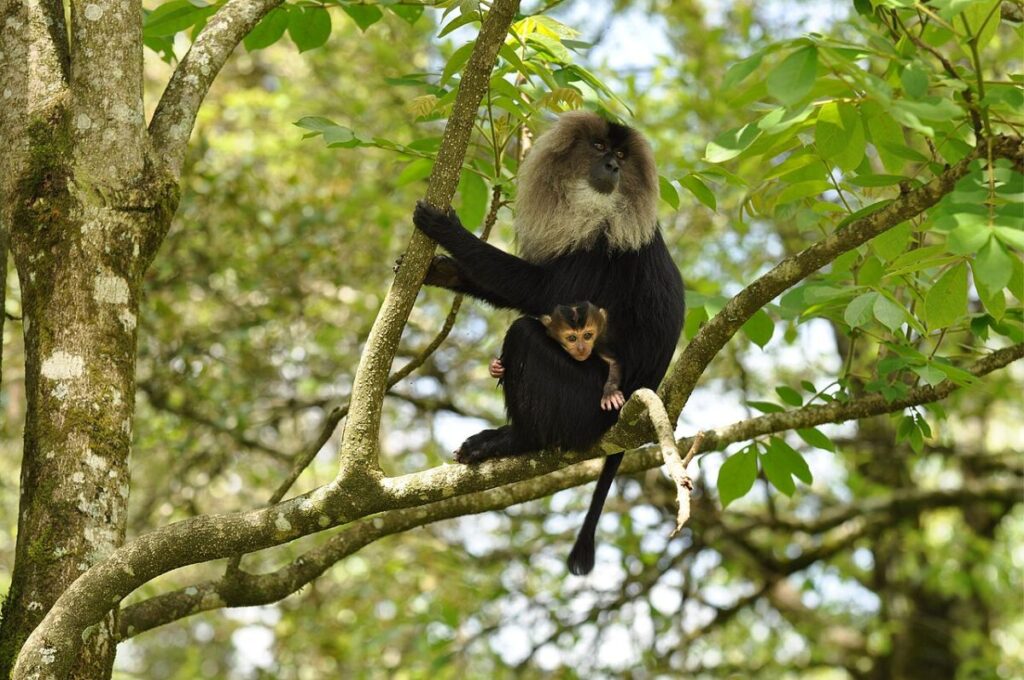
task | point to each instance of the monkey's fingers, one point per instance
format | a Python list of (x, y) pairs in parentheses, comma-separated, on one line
[(496, 369), (434, 222)]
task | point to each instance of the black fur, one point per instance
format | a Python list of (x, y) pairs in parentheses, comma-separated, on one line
[(553, 401)]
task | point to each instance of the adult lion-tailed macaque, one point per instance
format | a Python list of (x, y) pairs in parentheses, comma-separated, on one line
[(587, 230)]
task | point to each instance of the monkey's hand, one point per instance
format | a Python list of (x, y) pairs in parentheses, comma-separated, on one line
[(435, 223), (612, 400), (496, 369)]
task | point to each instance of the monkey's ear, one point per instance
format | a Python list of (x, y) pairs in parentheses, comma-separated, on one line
[(546, 320), (603, 313)]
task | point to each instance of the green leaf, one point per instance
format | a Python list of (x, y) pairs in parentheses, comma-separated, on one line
[(968, 238), (456, 61), (858, 312), (417, 170), (994, 300), (775, 469), (668, 192), (1011, 237), (885, 132), (730, 144), (930, 375), (759, 328), (946, 301), (791, 460), (268, 31), (871, 271), (792, 80), (737, 475), (340, 136), (891, 243), (410, 13), (765, 406), (801, 190), (994, 266), (839, 135), (740, 70), (696, 316), (789, 395), (473, 192), (309, 28), (890, 314), (366, 15), (697, 187), (915, 81), (172, 17), (315, 123), (816, 438)]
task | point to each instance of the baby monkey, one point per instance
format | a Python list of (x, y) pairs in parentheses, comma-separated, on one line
[(582, 329)]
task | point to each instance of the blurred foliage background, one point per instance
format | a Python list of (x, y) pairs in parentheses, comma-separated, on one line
[(281, 251)]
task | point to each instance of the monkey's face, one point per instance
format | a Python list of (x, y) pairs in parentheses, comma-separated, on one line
[(605, 166), (576, 327), (578, 342)]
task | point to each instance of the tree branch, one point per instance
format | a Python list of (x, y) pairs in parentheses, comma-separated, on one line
[(469, 490), (686, 372), (362, 430), (176, 112)]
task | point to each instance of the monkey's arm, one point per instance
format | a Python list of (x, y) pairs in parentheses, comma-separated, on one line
[(488, 273), (612, 397), (614, 373)]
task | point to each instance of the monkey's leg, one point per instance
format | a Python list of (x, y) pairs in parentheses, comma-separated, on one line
[(504, 441), (445, 272)]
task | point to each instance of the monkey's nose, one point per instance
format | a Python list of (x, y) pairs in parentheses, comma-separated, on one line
[(611, 166)]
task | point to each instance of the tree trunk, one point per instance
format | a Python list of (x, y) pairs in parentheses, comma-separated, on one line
[(80, 248)]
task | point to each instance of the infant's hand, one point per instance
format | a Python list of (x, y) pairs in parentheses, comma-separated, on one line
[(496, 369), (612, 401)]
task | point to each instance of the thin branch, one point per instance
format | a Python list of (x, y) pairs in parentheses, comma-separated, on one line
[(902, 501), (175, 115), (158, 398), (361, 438), (675, 464)]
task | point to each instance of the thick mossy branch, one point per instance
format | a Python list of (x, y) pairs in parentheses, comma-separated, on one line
[(713, 336), (362, 429)]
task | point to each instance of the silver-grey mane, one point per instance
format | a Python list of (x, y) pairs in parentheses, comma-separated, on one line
[(557, 211)]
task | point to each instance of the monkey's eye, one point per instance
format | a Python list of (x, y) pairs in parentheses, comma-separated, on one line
[(620, 154), (588, 336), (600, 146), (571, 338)]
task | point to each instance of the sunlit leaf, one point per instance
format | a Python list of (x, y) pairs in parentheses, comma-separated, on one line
[(736, 476), (946, 301)]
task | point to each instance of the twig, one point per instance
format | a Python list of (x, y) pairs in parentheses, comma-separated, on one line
[(674, 464)]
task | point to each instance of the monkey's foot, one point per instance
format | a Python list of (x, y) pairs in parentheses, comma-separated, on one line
[(612, 401), (496, 369), (443, 272), (489, 444)]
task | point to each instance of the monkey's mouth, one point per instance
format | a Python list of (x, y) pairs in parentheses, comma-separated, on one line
[(579, 356)]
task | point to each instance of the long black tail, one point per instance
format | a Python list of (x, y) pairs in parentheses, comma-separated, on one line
[(581, 559)]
